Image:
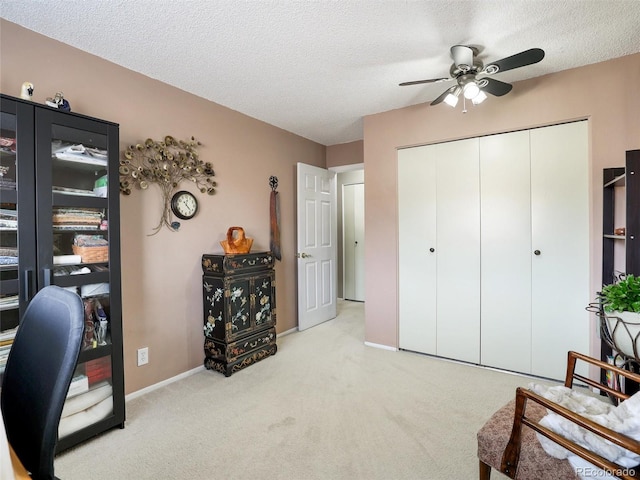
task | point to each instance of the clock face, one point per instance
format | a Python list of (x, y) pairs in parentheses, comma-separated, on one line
[(184, 205)]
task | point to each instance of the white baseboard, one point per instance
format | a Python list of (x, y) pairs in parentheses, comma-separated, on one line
[(383, 347), (155, 386), (287, 332)]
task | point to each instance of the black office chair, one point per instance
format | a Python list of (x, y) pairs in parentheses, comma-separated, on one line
[(37, 376)]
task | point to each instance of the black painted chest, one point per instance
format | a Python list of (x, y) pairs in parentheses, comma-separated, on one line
[(239, 296)]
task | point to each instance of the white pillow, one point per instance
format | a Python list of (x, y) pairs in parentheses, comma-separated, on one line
[(624, 418)]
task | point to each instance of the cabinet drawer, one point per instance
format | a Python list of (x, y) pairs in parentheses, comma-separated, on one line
[(236, 264), (231, 351)]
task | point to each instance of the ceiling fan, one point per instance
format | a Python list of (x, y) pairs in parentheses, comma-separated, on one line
[(473, 79)]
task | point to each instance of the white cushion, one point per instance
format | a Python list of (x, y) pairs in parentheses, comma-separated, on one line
[(624, 419)]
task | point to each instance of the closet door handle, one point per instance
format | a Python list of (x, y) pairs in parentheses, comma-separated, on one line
[(432, 249), (47, 276), (28, 285), (536, 252)]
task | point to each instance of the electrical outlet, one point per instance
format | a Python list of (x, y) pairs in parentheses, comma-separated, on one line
[(143, 356)]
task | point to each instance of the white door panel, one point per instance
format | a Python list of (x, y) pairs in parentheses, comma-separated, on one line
[(560, 232), (353, 232), (458, 249), (317, 248), (505, 201), (416, 263), (358, 219)]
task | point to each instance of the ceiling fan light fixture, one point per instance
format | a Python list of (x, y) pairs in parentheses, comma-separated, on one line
[(471, 90), (452, 97), (479, 98), (467, 67)]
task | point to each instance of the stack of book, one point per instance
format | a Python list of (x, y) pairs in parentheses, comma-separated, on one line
[(6, 340), (98, 370), (8, 219), (8, 302), (70, 218)]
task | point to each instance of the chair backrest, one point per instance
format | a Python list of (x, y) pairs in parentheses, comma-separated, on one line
[(37, 376)]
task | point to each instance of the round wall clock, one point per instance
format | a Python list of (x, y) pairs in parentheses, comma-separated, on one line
[(184, 205)]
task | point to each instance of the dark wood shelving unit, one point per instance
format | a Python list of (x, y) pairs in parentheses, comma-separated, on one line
[(627, 177), (33, 174)]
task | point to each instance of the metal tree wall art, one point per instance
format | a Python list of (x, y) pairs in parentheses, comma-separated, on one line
[(165, 162)]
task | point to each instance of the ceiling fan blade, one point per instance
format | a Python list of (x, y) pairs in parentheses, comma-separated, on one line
[(443, 96), (528, 57), (496, 87), (430, 80)]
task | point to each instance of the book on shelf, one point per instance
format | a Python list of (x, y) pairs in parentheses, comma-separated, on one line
[(8, 334), (81, 154), (9, 302), (73, 191), (98, 370)]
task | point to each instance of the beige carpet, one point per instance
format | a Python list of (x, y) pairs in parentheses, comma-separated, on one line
[(324, 407)]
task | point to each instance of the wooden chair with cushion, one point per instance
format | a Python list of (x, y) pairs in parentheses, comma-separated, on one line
[(37, 376), (508, 441)]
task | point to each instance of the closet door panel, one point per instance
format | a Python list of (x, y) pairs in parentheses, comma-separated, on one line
[(505, 284), (416, 264), (560, 233), (458, 250)]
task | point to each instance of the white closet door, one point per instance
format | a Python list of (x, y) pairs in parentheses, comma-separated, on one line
[(505, 200), (353, 243), (458, 249), (416, 264), (560, 233)]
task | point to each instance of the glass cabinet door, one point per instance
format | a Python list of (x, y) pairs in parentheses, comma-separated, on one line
[(75, 236), (17, 212), (73, 217)]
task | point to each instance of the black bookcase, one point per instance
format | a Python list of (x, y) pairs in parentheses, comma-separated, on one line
[(59, 224), (628, 178)]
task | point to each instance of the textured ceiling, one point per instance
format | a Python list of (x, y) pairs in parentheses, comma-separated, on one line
[(316, 67)]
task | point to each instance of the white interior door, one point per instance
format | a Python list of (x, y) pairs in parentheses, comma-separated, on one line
[(417, 284), (316, 242), (560, 242), (505, 282), (458, 249), (353, 244)]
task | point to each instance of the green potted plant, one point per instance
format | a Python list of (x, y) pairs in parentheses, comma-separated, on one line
[(621, 304)]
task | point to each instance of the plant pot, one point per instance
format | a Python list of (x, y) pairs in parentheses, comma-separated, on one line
[(624, 328)]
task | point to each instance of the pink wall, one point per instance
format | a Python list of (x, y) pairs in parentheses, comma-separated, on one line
[(161, 276), (604, 93), (345, 154)]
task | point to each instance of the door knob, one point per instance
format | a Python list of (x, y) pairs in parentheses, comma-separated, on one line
[(536, 252), (302, 255), (432, 249)]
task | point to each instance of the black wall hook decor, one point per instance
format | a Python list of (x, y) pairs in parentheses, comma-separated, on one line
[(274, 218)]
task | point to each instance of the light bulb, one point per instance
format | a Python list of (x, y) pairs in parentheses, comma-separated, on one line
[(479, 98), (471, 90), (451, 100)]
